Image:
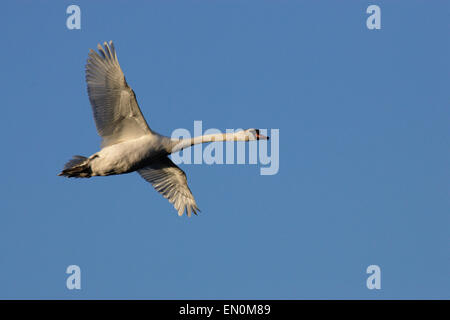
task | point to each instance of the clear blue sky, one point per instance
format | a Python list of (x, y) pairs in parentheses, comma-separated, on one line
[(364, 150)]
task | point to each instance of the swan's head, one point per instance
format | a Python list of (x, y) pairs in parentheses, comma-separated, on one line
[(253, 134)]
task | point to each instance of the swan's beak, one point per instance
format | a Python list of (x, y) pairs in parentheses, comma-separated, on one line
[(261, 136)]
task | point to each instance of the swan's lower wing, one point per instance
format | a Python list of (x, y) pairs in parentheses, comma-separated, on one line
[(116, 111), (169, 180)]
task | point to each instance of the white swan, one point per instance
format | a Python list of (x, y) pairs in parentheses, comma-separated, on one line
[(128, 144)]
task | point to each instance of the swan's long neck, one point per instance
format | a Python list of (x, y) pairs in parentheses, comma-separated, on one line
[(185, 143)]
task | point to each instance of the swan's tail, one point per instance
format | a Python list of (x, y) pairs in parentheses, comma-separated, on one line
[(77, 167)]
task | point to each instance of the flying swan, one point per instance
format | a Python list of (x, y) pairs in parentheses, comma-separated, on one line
[(128, 143)]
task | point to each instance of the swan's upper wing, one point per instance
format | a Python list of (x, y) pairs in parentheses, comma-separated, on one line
[(169, 180), (116, 111)]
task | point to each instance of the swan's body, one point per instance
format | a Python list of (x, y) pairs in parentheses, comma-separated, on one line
[(127, 156), (128, 144)]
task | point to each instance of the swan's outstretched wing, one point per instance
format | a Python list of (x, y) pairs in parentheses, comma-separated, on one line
[(169, 180), (116, 111)]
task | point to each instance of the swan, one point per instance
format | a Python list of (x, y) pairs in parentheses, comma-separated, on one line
[(128, 143)]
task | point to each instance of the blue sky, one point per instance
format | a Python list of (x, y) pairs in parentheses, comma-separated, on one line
[(364, 151)]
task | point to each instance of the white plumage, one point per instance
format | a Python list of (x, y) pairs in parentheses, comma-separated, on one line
[(128, 143)]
